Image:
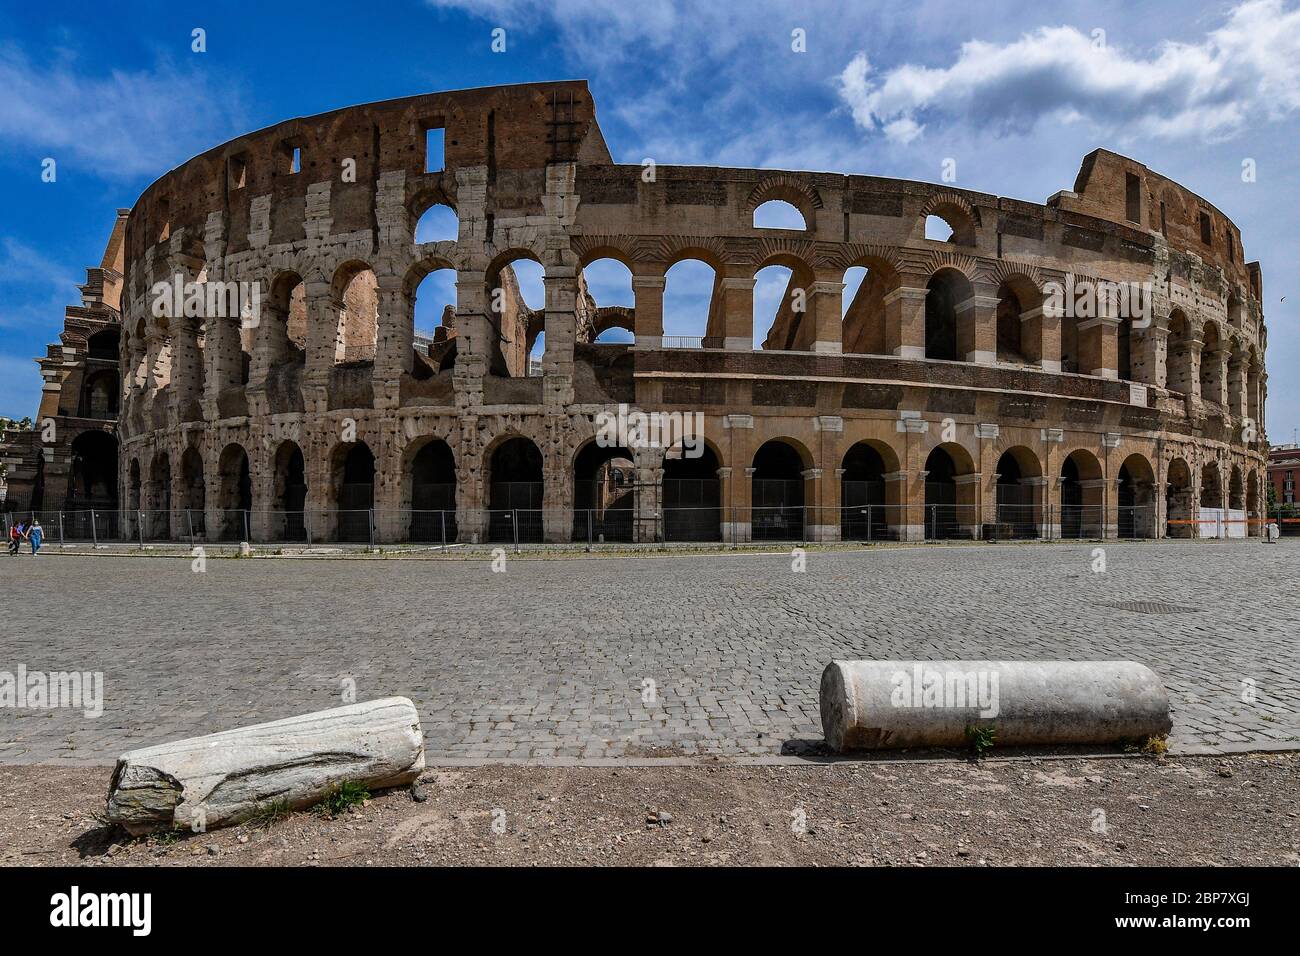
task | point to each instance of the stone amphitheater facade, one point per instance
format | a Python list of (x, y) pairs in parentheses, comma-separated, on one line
[(951, 380)]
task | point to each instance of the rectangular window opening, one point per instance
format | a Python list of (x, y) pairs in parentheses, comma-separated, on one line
[(1133, 197), (434, 149), (1205, 228), (1164, 226)]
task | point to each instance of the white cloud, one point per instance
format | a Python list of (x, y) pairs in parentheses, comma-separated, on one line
[(118, 125), (1245, 71)]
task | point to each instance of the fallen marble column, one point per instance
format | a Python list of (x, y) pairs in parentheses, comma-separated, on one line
[(879, 705), (202, 783)]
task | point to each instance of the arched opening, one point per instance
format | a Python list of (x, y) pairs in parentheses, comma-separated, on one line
[(99, 395), (158, 521), (289, 511), (604, 494), (515, 496), (1236, 517), (235, 497), (779, 214), (1082, 496), (692, 497), (1211, 486), (432, 475), (1018, 495), (92, 486), (1253, 368), (1137, 499), (782, 305), (517, 303), (438, 223), (946, 290), (1178, 500), (778, 493), (193, 493), (281, 335), (1010, 310), (606, 296), (865, 511), (950, 490), (354, 482), (689, 287), (356, 295), (434, 310)]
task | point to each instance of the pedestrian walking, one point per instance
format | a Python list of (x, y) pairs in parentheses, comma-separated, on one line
[(35, 534), (15, 537)]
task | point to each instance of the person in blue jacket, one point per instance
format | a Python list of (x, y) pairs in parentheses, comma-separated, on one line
[(34, 534)]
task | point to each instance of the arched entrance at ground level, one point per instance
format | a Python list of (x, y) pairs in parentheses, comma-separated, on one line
[(158, 519), (92, 486), (353, 477), (692, 498), (432, 475), (1236, 490), (1082, 496), (1018, 496), (192, 494), (235, 498), (777, 493), (604, 493), (865, 512), (515, 494), (1178, 500), (1137, 498), (1211, 486), (950, 510), (288, 519)]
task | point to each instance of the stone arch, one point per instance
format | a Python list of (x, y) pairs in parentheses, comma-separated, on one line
[(779, 214), (863, 305), (788, 328), (281, 334), (788, 189), (1019, 297), (100, 394), (1136, 495), (1254, 517), (1018, 493), (869, 504), (429, 489), (1236, 489), (355, 293), (691, 492), (514, 473), (352, 474), (951, 493), (432, 318), (288, 511), (1212, 379), (954, 210), (234, 493), (158, 519), (436, 224), (777, 490), (947, 289), (1082, 495), (192, 494), (517, 323), (683, 293), (604, 492), (1211, 484)]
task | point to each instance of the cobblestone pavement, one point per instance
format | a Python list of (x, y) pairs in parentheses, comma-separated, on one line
[(550, 658)]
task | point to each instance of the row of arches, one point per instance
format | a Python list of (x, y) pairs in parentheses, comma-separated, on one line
[(689, 499)]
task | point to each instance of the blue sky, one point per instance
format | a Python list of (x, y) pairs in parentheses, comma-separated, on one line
[(1008, 90)]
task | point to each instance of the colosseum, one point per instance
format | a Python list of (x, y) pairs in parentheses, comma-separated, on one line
[(950, 396)]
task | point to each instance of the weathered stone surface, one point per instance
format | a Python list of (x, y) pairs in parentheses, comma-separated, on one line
[(877, 705), (217, 780)]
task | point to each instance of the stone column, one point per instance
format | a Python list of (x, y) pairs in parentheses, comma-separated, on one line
[(323, 314), (977, 329), (1149, 351), (826, 304), (1237, 386), (1217, 358), (224, 359), (812, 500), (648, 310), (737, 291), (743, 520), (905, 322), (1040, 337), (395, 340), (1099, 347), (561, 333), (726, 492), (906, 499)]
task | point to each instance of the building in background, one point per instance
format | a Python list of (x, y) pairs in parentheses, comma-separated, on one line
[(67, 461), (1283, 467)]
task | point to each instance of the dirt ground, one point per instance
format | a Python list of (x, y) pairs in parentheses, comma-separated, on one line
[(1240, 810)]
